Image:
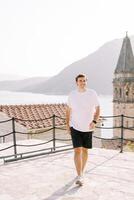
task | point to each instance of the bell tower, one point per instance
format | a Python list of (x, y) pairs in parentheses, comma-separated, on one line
[(123, 88)]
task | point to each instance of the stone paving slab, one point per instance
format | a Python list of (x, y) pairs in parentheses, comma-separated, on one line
[(109, 176)]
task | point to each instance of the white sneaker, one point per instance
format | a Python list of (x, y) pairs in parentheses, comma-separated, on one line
[(79, 181)]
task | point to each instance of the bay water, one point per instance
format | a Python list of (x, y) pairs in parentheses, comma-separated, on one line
[(17, 98)]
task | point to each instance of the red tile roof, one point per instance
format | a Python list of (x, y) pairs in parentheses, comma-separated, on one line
[(39, 112)]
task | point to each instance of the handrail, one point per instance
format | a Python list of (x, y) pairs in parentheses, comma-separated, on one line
[(32, 145), (33, 120), (7, 120), (6, 134), (54, 138)]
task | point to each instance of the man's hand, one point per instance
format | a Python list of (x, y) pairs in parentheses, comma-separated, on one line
[(92, 125), (68, 111)]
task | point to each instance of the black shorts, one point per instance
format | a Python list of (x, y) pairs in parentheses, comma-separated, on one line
[(81, 139)]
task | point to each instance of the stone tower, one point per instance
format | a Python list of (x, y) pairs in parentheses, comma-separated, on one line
[(123, 88)]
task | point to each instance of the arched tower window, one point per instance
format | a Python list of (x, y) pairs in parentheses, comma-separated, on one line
[(133, 92), (120, 93), (127, 89), (116, 93)]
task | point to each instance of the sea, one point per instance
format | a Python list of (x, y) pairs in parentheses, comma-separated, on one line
[(17, 98)]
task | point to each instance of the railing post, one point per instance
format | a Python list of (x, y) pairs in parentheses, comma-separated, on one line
[(54, 132), (14, 137), (122, 133)]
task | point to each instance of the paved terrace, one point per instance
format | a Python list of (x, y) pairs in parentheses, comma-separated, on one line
[(109, 176)]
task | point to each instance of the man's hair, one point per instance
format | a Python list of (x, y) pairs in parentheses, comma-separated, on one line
[(80, 76)]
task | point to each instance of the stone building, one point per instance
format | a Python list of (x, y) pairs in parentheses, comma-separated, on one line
[(123, 90)]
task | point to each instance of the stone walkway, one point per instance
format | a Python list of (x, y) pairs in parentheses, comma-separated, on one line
[(109, 176)]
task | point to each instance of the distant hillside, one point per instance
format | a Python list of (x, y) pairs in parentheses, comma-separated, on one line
[(18, 85), (99, 67), (5, 77)]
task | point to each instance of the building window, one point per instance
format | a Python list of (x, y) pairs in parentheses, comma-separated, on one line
[(116, 92), (120, 93), (133, 92)]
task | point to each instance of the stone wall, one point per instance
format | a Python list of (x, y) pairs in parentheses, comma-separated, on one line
[(126, 109)]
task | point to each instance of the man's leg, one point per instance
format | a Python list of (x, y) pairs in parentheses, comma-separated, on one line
[(84, 157), (78, 160)]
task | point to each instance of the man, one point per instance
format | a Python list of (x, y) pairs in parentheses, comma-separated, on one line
[(81, 116)]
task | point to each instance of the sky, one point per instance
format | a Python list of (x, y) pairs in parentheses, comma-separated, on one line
[(42, 37)]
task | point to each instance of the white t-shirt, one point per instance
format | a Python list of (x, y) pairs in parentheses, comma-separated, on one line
[(82, 106)]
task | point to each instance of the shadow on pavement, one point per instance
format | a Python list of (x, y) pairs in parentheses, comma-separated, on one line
[(64, 190)]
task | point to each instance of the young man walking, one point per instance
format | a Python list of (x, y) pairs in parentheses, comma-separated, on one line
[(81, 116)]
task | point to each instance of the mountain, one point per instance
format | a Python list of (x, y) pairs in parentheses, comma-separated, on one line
[(99, 67), (5, 77), (18, 85)]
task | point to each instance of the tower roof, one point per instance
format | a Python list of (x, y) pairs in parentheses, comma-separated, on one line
[(125, 62)]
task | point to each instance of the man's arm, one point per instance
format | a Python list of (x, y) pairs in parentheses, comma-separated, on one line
[(97, 114), (96, 117), (68, 112)]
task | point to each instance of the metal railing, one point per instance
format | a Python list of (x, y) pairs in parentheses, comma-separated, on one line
[(54, 147)]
